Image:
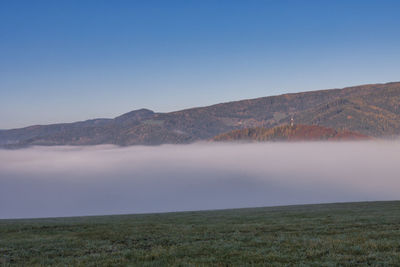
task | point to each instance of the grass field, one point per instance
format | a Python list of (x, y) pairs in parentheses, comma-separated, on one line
[(365, 233)]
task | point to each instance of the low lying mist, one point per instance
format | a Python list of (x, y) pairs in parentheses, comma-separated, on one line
[(72, 181)]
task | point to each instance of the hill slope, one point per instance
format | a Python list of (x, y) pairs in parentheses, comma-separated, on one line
[(344, 234), (289, 133), (373, 110)]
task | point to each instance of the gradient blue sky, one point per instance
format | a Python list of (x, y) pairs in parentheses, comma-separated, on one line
[(63, 61)]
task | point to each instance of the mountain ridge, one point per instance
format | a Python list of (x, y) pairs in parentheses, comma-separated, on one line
[(371, 109)]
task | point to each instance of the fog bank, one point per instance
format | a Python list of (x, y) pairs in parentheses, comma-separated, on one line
[(72, 181)]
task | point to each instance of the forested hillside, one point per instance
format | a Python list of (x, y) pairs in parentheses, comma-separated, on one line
[(372, 110)]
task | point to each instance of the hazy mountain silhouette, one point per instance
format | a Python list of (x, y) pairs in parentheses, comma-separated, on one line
[(372, 110)]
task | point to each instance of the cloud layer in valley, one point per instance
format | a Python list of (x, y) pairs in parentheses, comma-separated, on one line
[(71, 181)]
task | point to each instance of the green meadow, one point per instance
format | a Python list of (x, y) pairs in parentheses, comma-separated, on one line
[(345, 234)]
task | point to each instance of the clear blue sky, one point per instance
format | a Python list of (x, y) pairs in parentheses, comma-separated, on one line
[(63, 61)]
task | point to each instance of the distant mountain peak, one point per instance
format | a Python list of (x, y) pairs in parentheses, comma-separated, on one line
[(136, 112), (135, 115)]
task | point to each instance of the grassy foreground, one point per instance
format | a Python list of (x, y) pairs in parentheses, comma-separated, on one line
[(328, 235)]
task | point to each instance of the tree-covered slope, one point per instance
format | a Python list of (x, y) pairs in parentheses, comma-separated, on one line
[(372, 110), (290, 133)]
